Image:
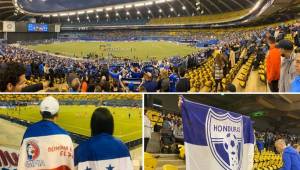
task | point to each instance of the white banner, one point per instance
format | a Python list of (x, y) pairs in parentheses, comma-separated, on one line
[(8, 158), (57, 28), (9, 26)]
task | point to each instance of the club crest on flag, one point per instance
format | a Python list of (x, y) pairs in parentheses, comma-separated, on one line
[(225, 138), (32, 150)]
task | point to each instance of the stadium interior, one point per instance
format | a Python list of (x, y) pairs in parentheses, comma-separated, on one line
[(102, 41), (20, 111), (275, 114)]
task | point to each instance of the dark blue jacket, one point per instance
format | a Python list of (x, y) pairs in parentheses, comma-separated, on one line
[(291, 159)]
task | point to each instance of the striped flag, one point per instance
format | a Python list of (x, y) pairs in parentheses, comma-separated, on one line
[(103, 152)]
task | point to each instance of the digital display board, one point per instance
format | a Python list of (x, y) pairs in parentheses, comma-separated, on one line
[(37, 27)]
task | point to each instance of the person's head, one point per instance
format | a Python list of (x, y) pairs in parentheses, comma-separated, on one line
[(297, 60), (102, 122), (181, 72), (231, 87), (75, 84), (286, 48), (12, 77), (280, 145), (271, 40), (49, 108), (148, 76)]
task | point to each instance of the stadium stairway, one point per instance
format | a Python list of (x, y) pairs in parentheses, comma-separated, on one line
[(254, 84)]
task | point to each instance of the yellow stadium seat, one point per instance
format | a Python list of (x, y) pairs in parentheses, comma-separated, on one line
[(242, 84), (149, 161), (170, 167)]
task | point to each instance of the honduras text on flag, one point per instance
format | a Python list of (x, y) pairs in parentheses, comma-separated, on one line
[(102, 152), (216, 139), (46, 146)]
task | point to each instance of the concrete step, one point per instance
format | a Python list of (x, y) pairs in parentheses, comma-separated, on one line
[(179, 168), (178, 162), (166, 156)]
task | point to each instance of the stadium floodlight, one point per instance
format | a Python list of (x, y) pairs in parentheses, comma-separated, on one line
[(128, 6), (169, 0), (80, 12), (46, 16), (149, 3), (54, 15), (108, 9), (99, 9), (119, 7), (171, 9), (160, 1), (183, 8), (89, 11), (156, 105), (72, 13), (63, 14), (139, 4)]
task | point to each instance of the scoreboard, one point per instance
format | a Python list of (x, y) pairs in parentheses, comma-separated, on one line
[(31, 27)]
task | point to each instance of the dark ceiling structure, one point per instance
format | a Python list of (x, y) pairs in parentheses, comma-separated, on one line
[(159, 8), (280, 110)]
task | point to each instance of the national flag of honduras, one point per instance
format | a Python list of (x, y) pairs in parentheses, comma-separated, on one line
[(216, 139), (46, 146), (102, 152)]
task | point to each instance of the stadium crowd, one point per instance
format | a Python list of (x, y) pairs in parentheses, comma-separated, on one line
[(41, 71), (266, 140)]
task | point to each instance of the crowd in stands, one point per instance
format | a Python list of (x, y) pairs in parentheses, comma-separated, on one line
[(168, 125), (214, 68), (39, 97), (265, 140)]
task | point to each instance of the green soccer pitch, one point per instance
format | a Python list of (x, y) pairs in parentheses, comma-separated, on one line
[(77, 119), (141, 50)]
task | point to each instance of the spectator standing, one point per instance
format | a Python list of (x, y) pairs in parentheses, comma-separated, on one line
[(183, 84), (295, 85), (273, 65), (290, 157), (287, 68)]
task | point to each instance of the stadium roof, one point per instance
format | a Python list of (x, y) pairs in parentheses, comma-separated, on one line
[(22, 9), (279, 110)]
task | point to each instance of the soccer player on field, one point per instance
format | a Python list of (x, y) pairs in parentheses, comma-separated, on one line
[(45, 145)]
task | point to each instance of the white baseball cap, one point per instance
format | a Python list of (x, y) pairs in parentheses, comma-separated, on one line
[(49, 104)]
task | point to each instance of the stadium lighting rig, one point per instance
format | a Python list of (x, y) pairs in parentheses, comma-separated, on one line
[(139, 4)]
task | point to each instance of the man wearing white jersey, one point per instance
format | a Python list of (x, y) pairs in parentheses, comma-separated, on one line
[(45, 145)]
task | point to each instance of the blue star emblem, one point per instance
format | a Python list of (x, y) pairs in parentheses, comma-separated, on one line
[(110, 167)]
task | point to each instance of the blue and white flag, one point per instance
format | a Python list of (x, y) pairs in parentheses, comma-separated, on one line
[(102, 152), (216, 139), (46, 146)]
